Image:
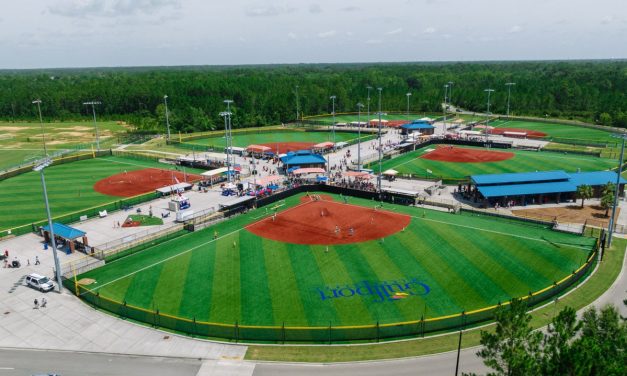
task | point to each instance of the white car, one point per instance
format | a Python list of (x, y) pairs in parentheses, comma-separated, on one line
[(39, 282)]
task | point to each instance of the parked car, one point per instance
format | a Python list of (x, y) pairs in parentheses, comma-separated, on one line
[(39, 282)]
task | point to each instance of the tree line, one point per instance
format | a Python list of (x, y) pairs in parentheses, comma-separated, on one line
[(593, 91)]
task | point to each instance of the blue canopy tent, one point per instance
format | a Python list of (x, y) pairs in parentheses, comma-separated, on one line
[(65, 236)]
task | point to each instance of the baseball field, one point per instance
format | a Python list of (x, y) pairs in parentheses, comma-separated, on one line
[(71, 188), (338, 261), (281, 139), (460, 162), (558, 131)]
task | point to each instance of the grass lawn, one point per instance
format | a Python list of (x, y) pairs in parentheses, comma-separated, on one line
[(559, 130), (598, 283), (243, 140), (523, 161), (467, 261), (21, 142), (70, 189), (145, 220)]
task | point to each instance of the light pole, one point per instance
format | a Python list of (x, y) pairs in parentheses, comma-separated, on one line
[(369, 88), (610, 229), (93, 109), (167, 115), (444, 120), (509, 92), (333, 130), (407, 114), (297, 105), (359, 107), (40, 168), (41, 123), (228, 137), (450, 91), (380, 146), (487, 122)]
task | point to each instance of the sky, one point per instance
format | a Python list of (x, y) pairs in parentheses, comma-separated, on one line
[(99, 33)]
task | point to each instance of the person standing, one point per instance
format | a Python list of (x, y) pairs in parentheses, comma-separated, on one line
[(37, 260), (36, 302)]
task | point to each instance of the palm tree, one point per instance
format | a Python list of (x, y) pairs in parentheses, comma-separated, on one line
[(607, 200), (584, 192)]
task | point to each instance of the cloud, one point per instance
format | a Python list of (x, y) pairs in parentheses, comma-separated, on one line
[(395, 31), (327, 34), (109, 8), (429, 30), (351, 8), (515, 29), (269, 11), (315, 9), (291, 35), (607, 20), (374, 41)]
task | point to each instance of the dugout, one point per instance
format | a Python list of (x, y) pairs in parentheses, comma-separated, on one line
[(303, 159), (68, 239)]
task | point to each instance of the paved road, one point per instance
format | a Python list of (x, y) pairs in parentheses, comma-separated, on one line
[(29, 362), (433, 365)]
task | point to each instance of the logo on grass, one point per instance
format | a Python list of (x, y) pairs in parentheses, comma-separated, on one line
[(386, 291)]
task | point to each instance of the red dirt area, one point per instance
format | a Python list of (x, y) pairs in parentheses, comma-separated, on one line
[(314, 223), (530, 133), (396, 123), (284, 147), (453, 154), (131, 224), (133, 183)]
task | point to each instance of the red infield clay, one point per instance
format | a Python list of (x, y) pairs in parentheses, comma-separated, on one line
[(530, 133), (396, 123), (133, 183), (284, 147), (453, 154), (314, 222)]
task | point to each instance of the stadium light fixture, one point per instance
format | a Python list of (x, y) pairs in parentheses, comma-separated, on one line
[(228, 136), (380, 143), (359, 107), (610, 231), (509, 93), (167, 115), (39, 167), (408, 95), (487, 122), (333, 97), (41, 123), (93, 109)]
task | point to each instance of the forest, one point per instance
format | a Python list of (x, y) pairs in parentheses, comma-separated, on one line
[(592, 91)]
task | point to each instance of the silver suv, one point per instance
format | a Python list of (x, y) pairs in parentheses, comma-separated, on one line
[(39, 282)]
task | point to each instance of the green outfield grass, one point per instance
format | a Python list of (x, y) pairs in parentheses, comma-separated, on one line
[(468, 262), (70, 189), (523, 161), (243, 140), (559, 130)]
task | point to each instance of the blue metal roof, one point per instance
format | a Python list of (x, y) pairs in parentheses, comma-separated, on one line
[(520, 177), (595, 178), (64, 231), (303, 157), (526, 189), (417, 125)]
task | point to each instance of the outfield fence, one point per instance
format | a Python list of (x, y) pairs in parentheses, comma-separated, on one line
[(325, 333)]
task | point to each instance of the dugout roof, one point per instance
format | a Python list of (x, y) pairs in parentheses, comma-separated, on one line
[(64, 231), (417, 125), (303, 157)]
